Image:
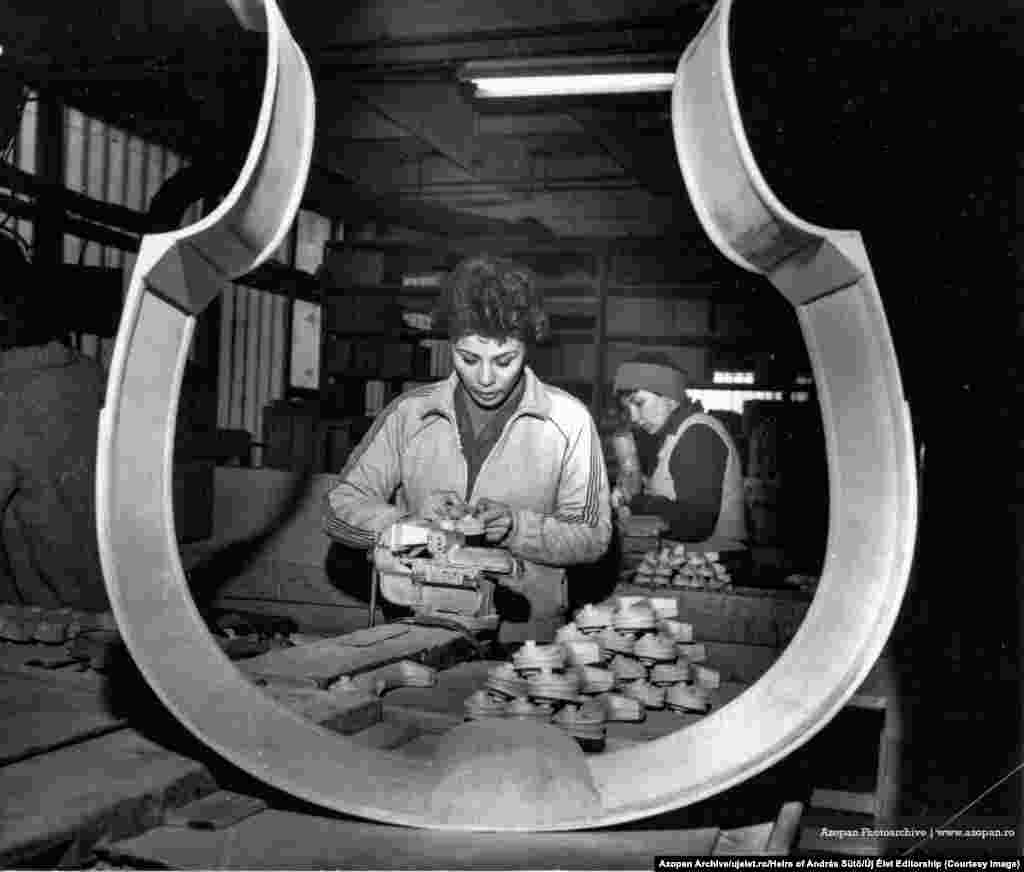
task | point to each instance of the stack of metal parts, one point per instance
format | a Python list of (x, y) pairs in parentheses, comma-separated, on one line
[(676, 566), (612, 663)]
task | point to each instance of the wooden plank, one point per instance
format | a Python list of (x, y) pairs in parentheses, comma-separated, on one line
[(856, 802), (323, 662), (346, 712), (38, 717), (330, 620), (784, 832), (425, 719), (42, 709), (743, 841), (888, 786), (285, 840), (114, 786), (215, 811)]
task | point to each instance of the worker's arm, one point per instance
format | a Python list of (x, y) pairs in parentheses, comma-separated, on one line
[(580, 528), (358, 508), (697, 467)]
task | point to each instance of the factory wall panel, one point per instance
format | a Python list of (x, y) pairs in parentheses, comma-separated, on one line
[(658, 316)]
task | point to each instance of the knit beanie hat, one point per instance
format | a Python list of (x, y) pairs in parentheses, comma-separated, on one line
[(657, 373)]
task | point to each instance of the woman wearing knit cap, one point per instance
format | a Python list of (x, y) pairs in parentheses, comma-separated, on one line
[(692, 476)]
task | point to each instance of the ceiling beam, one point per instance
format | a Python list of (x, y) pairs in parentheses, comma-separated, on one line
[(335, 196), (439, 115), (649, 156), (627, 30), (436, 112)]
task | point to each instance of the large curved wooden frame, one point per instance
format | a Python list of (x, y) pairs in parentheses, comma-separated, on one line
[(825, 274)]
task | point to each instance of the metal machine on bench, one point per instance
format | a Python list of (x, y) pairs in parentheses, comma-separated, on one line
[(428, 567)]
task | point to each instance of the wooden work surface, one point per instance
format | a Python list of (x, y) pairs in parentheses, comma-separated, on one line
[(321, 662), (41, 709), (282, 840), (71, 770), (77, 788), (113, 786), (74, 769)]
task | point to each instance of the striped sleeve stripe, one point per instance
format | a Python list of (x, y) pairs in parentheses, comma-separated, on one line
[(350, 535), (591, 511), (597, 473)]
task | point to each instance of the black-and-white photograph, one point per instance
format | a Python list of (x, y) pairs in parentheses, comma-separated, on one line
[(493, 436)]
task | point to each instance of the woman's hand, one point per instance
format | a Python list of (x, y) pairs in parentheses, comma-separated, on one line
[(496, 518), (444, 505)]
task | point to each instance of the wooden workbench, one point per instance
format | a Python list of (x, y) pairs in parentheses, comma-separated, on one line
[(79, 770), (72, 769)]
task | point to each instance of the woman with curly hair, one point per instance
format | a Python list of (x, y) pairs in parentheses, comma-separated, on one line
[(492, 438)]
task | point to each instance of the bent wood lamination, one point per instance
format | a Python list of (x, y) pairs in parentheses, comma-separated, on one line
[(826, 276)]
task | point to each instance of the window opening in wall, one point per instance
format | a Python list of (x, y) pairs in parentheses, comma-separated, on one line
[(733, 377), (305, 357), (730, 399), (113, 166)]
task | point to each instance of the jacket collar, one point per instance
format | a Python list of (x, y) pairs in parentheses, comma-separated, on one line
[(535, 401)]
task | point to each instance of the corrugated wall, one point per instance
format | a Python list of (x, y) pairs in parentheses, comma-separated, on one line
[(255, 336), (257, 340), (108, 164), (113, 166)]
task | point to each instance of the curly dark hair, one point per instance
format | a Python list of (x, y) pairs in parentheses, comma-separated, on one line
[(492, 297)]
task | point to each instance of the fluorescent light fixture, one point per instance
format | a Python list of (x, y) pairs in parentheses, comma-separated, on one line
[(573, 85), (570, 76)]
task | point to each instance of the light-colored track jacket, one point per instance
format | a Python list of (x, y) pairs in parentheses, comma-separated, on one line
[(548, 465)]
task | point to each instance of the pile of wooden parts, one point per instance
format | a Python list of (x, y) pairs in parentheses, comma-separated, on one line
[(613, 662), (92, 639), (676, 566), (19, 623), (86, 640)]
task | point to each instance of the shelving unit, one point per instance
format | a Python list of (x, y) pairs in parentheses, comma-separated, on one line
[(606, 302)]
